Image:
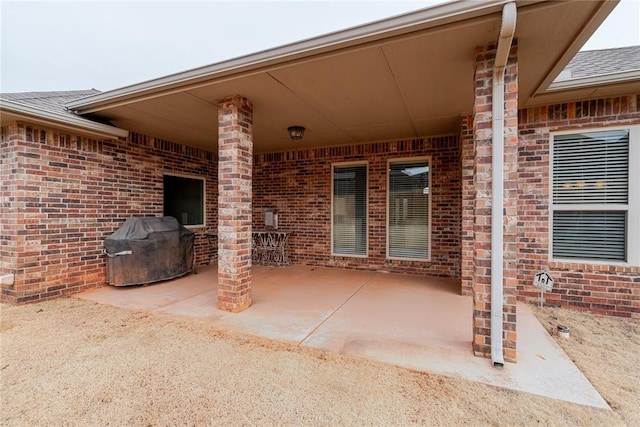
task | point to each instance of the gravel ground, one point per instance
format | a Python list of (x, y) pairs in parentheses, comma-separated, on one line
[(75, 362)]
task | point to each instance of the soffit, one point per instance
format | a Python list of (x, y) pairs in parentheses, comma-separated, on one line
[(410, 85)]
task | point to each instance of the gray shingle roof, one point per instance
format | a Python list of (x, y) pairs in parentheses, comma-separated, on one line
[(51, 107), (592, 63), (49, 101)]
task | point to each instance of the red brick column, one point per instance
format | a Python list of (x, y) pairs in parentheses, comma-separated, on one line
[(467, 162), (10, 197), (235, 152), (481, 210)]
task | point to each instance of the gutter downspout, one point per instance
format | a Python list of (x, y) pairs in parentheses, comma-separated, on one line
[(507, 31)]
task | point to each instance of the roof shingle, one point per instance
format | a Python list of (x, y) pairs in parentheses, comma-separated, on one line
[(53, 102), (592, 63)]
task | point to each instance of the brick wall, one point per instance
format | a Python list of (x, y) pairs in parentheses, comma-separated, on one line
[(62, 194), (298, 185), (477, 202), (598, 288)]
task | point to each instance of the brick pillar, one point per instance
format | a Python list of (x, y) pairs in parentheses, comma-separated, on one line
[(467, 161), (235, 153), (11, 221), (478, 205)]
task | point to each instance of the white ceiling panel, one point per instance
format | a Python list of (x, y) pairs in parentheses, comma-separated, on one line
[(353, 89)]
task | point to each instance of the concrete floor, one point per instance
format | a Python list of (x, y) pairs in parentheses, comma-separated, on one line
[(410, 321)]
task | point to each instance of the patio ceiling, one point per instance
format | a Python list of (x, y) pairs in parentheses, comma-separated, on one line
[(405, 77)]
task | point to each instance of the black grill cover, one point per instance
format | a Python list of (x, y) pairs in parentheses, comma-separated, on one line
[(146, 250)]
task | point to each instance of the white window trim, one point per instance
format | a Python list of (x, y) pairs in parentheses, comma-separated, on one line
[(204, 196), (632, 208), (366, 197), (410, 159)]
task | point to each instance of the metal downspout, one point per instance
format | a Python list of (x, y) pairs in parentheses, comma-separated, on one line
[(507, 31)]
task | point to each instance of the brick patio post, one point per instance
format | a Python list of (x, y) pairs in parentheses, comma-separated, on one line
[(235, 153), (479, 208), (467, 161), (12, 221)]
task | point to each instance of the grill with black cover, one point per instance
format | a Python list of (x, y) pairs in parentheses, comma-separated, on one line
[(147, 250)]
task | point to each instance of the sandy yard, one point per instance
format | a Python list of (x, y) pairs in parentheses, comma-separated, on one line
[(75, 362)]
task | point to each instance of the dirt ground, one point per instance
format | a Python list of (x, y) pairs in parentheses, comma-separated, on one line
[(75, 362), (606, 350)]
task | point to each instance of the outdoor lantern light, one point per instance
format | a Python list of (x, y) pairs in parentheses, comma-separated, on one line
[(296, 132)]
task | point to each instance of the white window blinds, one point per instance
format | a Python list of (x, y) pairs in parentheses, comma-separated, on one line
[(349, 217), (591, 195), (408, 209), (591, 168), (589, 235)]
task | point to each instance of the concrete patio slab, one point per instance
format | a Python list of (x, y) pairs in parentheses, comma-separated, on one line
[(401, 319), (416, 322), (289, 304)]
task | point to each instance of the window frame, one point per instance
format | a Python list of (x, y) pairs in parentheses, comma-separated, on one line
[(632, 208), (430, 209), (204, 196), (366, 198)]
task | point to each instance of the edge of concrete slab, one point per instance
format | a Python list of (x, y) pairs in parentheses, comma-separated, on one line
[(543, 368)]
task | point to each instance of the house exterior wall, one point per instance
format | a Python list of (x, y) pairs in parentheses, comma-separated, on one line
[(298, 184), (597, 287), (62, 194)]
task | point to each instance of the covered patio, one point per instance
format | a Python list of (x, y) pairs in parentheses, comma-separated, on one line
[(411, 93), (416, 322)]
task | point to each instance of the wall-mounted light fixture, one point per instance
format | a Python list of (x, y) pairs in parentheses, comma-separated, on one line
[(296, 132)]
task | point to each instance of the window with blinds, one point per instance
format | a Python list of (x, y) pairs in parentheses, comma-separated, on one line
[(349, 210), (590, 188), (408, 207)]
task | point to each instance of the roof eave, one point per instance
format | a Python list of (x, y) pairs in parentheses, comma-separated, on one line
[(80, 124), (604, 79), (598, 17), (437, 15)]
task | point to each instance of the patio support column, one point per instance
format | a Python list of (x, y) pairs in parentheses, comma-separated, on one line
[(477, 205), (235, 154), (467, 160)]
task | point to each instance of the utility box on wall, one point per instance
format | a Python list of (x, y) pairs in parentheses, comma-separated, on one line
[(270, 218)]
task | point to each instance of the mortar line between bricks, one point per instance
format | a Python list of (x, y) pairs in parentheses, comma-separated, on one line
[(337, 309)]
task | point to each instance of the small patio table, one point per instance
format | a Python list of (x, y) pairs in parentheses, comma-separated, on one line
[(270, 247), (212, 236), (212, 242)]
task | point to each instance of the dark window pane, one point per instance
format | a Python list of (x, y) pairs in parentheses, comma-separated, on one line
[(184, 199)]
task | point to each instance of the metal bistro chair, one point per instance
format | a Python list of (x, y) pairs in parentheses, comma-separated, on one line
[(264, 247), (280, 256)]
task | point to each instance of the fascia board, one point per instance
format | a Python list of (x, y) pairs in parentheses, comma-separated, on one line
[(51, 118), (601, 80)]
